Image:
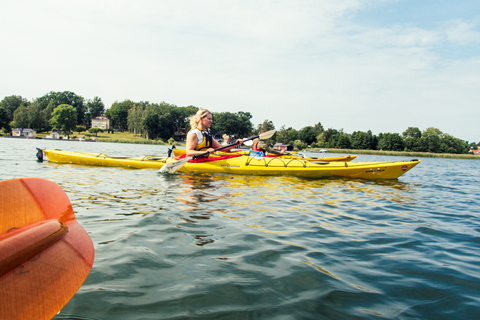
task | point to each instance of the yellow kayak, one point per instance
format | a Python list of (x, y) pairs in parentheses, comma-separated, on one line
[(181, 152), (245, 165)]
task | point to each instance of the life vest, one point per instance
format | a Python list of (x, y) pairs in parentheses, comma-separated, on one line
[(255, 148), (206, 142)]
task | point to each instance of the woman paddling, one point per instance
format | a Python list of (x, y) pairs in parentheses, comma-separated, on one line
[(199, 139)]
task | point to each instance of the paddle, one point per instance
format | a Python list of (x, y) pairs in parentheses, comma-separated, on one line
[(174, 166), (45, 255)]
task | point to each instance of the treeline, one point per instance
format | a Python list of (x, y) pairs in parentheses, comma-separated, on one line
[(68, 112)]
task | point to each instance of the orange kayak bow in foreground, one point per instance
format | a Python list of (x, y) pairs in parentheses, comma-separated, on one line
[(45, 255)]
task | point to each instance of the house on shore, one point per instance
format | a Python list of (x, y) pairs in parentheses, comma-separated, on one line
[(54, 135), (281, 146), (101, 122), (24, 133)]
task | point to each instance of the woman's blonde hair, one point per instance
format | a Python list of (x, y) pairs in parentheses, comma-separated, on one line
[(195, 119)]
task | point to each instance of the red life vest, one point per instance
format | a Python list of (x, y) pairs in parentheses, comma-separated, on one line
[(255, 147)]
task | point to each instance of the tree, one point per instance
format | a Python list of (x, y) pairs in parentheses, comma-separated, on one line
[(450, 144), (307, 135), (299, 145), (158, 124), (20, 118), (317, 129), (53, 99), (237, 124), (321, 142), (64, 118), (95, 130), (245, 127), (267, 125), (412, 132), (36, 117), (118, 113), (287, 136), (135, 120), (343, 141), (391, 142), (95, 107), (430, 141), (4, 119), (361, 140), (10, 104), (331, 137)]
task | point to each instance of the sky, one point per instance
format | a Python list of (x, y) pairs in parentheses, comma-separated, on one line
[(356, 65)]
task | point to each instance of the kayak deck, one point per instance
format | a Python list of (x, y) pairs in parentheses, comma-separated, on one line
[(180, 152)]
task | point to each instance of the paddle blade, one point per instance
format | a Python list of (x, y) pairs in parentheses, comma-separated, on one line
[(172, 167), (45, 255), (248, 143), (267, 135)]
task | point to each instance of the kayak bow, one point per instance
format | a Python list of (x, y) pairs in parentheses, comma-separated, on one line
[(45, 255)]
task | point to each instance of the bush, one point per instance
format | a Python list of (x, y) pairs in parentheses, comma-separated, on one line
[(299, 145)]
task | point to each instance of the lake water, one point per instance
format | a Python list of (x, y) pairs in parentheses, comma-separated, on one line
[(241, 247)]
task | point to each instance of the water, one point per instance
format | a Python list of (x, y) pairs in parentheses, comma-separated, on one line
[(241, 247)]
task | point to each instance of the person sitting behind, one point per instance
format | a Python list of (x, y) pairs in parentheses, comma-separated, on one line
[(261, 145), (226, 139), (199, 139)]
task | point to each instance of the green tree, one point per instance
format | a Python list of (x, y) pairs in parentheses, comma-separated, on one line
[(95, 107), (307, 135), (245, 126), (157, 123), (95, 130), (135, 120), (299, 145), (4, 119), (361, 140), (237, 124), (450, 144), (53, 99), (118, 114), (267, 125), (318, 129), (412, 137), (21, 118), (391, 142), (343, 141), (331, 136), (80, 129), (36, 117), (10, 104), (287, 135), (64, 118), (431, 139), (321, 142)]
